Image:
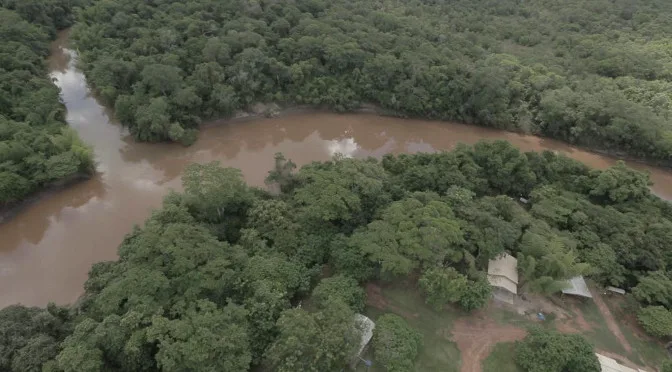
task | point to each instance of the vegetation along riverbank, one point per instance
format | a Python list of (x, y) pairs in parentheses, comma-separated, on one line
[(591, 73), (215, 277), (37, 149)]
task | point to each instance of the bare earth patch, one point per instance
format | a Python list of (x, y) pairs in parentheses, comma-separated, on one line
[(375, 298), (575, 324), (477, 335)]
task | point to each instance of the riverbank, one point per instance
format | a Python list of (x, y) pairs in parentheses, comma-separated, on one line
[(49, 246), (12, 209), (275, 110)]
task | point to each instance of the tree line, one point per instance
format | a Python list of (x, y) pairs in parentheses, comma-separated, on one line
[(229, 277), (595, 74), (36, 147)]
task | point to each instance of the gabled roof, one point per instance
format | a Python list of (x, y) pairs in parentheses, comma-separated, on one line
[(611, 365), (365, 326), (506, 266), (577, 286)]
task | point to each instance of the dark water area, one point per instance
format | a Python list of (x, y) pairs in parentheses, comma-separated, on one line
[(47, 249)]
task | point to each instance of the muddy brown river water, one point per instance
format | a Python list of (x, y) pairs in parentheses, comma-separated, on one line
[(47, 249)]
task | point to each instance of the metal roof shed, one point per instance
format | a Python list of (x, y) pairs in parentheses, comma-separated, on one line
[(577, 287), (364, 326), (611, 365), (616, 290)]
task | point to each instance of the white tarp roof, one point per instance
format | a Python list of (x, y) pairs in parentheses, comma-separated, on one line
[(365, 326), (616, 290), (577, 287), (611, 365), (503, 273)]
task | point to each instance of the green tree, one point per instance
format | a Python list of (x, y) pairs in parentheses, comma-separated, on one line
[(443, 285), (395, 343), (216, 194), (546, 260), (29, 336), (546, 350), (161, 79), (320, 341), (655, 288), (666, 367), (418, 231), (206, 338), (619, 184), (477, 295), (342, 288), (656, 321), (344, 191)]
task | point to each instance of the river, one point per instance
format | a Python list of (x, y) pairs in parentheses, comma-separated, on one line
[(47, 249)]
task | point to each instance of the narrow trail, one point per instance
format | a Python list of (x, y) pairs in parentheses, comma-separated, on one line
[(611, 322)]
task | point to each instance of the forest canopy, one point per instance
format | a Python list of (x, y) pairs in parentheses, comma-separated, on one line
[(595, 73), (36, 147), (230, 277)]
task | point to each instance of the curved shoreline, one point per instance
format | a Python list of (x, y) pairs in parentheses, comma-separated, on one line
[(7, 212), (246, 116)]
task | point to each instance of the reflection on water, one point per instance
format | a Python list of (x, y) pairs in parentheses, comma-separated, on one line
[(47, 249)]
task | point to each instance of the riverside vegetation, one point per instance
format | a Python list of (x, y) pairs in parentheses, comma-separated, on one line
[(37, 149), (215, 277), (595, 73)]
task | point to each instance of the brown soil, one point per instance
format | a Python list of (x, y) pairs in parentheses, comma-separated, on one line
[(611, 322), (375, 298), (575, 324), (477, 335)]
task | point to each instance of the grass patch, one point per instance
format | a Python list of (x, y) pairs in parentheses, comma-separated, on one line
[(600, 334), (645, 351), (438, 352), (505, 316), (501, 359)]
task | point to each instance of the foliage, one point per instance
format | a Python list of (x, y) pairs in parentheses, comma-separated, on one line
[(417, 231), (596, 75), (667, 366), (654, 289), (36, 148), (656, 320), (31, 336), (217, 276), (341, 288), (546, 350), (478, 294), (395, 343), (443, 285), (320, 341)]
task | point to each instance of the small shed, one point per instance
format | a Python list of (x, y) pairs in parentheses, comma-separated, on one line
[(364, 326), (577, 287), (611, 365), (503, 276), (615, 290)]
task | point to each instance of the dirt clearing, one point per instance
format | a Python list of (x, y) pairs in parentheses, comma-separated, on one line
[(476, 336)]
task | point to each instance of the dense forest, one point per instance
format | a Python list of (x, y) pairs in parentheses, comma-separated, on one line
[(596, 73), (36, 147), (227, 277)]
